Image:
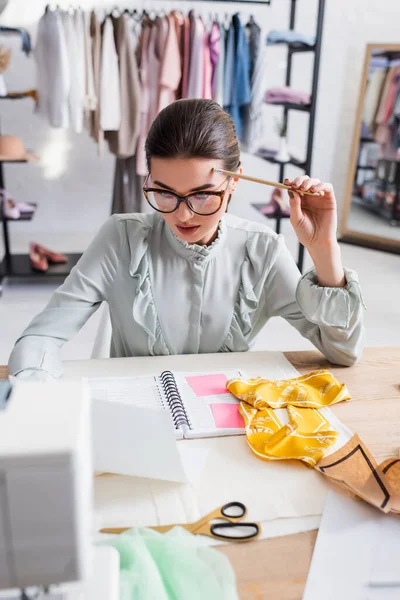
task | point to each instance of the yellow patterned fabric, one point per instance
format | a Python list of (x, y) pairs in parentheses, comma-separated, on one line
[(308, 434)]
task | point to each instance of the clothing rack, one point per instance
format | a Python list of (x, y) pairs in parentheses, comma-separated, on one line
[(305, 166), (265, 2), (19, 265)]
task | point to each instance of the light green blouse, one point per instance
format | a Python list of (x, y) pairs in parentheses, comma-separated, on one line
[(168, 297)]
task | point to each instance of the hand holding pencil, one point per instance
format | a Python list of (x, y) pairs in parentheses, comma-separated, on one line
[(312, 207)]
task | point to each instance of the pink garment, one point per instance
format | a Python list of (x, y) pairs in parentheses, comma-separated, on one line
[(391, 98), (154, 51), (186, 57), (215, 50), (143, 57), (196, 68), (207, 71), (171, 68), (382, 132), (282, 94), (179, 20)]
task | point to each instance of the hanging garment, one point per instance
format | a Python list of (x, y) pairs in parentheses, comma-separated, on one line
[(110, 94), (391, 97), (123, 142), (207, 68), (229, 67), (253, 121), (143, 61), (382, 131), (170, 68), (253, 31), (220, 69), (179, 21), (372, 97), (186, 57), (158, 34), (90, 99), (215, 50), (79, 79), (53, 76), (196, 68), (128, 187), (94, 121), (241, 89), (73, 31)]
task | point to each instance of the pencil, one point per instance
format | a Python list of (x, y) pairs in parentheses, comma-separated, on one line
[(265, 182)]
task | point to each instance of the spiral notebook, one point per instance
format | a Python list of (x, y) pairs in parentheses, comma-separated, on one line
[(198, 403)]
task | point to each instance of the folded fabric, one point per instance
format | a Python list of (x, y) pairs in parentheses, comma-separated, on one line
[(279, 95), (308, 434), (171, 566), (290, 37), (266, 152)]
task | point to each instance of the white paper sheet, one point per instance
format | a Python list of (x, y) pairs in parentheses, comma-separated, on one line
[(133, 440), (287, 491), (270, 490), (346, 563)]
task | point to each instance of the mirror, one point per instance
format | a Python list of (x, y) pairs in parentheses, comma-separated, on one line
[(371, 213)]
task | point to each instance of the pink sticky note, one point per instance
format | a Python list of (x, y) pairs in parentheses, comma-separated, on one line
[(208, 385), (227, 416)]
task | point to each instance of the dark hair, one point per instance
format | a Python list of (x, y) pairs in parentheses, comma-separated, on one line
[(194, 128)]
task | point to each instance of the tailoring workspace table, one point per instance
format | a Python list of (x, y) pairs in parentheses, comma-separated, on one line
[(278, 567)]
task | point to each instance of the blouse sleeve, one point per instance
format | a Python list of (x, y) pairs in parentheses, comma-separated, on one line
[(331, 318), (37, 351)]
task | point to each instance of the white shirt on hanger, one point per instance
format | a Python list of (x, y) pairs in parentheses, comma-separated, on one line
[(53, 76), (75, 95), (90, 100), (196, 70), (110, 99)]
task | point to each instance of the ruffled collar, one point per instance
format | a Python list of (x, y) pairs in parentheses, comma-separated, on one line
[(197, 252)]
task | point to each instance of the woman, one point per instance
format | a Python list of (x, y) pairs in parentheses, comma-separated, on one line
[(189, 278)]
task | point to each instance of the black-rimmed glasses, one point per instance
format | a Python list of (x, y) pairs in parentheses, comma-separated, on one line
[(201, 203)]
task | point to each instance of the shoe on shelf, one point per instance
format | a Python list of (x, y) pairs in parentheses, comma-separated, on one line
[(38, 261), (276, 207), (25, 208), (10, 209), (52, 257)]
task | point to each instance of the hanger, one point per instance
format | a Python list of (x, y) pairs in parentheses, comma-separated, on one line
[(115, 12)]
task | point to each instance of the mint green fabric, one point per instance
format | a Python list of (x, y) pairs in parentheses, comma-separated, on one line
[(171, 566)]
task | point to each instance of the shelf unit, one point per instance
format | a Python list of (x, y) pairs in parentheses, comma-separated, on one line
[(19, 265), (310, 109)]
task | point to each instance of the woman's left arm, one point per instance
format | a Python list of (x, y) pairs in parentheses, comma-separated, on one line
[(314, 219), (325, 305)]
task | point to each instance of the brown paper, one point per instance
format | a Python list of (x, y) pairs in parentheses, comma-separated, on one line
[(353, 468)]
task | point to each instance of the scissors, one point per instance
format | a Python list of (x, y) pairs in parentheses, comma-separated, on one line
[(232, 530)]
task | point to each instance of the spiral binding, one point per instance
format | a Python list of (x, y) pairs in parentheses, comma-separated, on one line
[(174, 400)]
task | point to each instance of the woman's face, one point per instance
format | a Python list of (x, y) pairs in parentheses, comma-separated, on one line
[(186, 176)]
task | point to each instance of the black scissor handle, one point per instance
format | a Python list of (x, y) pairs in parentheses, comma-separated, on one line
[(235, 531), (234, 510)]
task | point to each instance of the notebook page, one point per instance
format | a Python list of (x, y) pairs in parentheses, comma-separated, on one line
[(211, 408), (138, 391)]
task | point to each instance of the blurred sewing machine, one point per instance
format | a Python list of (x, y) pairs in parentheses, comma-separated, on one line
[(46, 497)]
